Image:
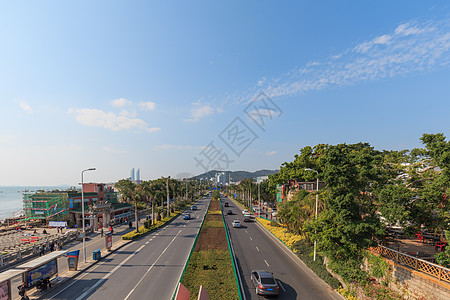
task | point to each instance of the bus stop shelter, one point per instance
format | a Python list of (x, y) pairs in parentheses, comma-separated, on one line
[(5, 282), (43, 267)]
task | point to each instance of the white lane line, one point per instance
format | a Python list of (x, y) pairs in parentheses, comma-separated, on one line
[(151, 267), (251, 239), (246, 231), (282, 287), (108, 274), (266, 263), (257, 248)]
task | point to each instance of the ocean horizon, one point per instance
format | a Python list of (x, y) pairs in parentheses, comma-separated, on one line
[(11, 200)]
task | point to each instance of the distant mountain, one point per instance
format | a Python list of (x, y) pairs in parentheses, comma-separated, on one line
[(235, 175)]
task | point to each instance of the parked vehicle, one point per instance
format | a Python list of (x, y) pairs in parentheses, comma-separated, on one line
[(265, 283), (236, 224), (186, 216), (245, 211)]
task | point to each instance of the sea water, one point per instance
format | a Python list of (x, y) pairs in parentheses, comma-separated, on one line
[(11, 200)]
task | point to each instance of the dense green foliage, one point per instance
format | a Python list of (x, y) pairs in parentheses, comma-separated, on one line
[(366, 190)]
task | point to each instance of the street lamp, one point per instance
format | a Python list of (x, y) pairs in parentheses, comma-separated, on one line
[(317, 201), (82, 210)]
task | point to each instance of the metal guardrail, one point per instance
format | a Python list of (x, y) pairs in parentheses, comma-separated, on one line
[(237, 276), (190, 254), (441, 273), (25, 253)]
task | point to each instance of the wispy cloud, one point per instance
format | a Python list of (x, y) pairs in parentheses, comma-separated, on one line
[(121, 102), (26, 107), (200, 110), (410, 47), (271, 153), (179, 147), (107, 149), (147, 105), (110, 120)]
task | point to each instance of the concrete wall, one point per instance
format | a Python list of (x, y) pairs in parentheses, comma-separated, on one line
[(418, 285)]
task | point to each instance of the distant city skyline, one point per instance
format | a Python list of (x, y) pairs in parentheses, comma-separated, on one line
[(178, 90)]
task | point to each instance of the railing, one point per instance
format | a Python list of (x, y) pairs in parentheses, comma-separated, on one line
[(24, 253), (415, 263)]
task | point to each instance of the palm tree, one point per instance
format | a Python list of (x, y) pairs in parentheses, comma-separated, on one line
[(128, 190)]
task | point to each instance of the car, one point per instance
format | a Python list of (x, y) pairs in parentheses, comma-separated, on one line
[(193, 207), (265, 283), (186, 216), (226, 204), (245, 211), (229, 212), (236, 224), (247, 218)]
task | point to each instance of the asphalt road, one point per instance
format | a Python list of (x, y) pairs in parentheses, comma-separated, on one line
[(257, 250), (93, 242), (148, 268)]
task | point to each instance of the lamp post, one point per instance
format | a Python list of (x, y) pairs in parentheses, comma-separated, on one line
[(82, 210), (317, 201)]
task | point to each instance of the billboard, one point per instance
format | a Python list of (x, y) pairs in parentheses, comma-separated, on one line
[(44, 271), (4, 290)]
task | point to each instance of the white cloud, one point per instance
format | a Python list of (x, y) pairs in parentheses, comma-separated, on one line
[(411, 47), (110, 120), (147, 105), (107, 149), (26, 107), (121, 102), (271, 153), (199, 111)]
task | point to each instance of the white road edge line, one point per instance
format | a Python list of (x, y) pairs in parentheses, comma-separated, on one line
[(257, 248), (266, 263), (108, 274), (151, 267), (282, 287)]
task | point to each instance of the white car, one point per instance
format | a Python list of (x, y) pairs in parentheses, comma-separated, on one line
[(236, 223), (245, 211)]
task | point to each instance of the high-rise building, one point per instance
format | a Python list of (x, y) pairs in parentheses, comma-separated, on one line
[(132, 175), (138, 175)]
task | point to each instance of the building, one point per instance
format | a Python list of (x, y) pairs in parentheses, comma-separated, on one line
[(100, 205), (132, 175)]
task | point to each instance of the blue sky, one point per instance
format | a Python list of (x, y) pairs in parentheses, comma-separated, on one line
[(180, 87)]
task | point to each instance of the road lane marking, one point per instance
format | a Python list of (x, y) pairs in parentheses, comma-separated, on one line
[(282, 287), (266, 263), (251, 239), (109, 274), (246, 231), (151, 267), (257, 248)]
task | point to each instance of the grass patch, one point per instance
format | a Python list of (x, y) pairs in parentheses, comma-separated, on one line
[(214, 270), (213, 224)]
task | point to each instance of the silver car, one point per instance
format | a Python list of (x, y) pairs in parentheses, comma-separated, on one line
[(265, 283)]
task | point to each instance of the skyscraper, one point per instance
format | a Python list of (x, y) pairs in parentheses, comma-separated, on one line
[(132, 175), (138, 176)]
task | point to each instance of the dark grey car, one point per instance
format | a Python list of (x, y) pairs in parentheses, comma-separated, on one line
[(265, 283)]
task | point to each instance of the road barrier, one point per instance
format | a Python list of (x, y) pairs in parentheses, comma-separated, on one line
[(190, 254), (439, 272), (233, 257)]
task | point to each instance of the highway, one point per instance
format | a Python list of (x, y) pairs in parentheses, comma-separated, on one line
[(257, 250), (148, 268)]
